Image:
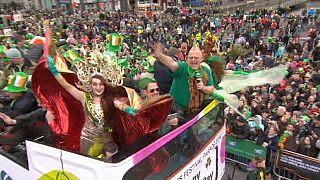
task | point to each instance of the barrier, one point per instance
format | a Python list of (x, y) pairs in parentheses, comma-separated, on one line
[(245, 148), (241, 152), (284, 174), (291, 165)]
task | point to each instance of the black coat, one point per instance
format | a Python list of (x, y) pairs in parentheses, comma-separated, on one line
[(241, 132), (22, 105), (28, 127), (163, 76)]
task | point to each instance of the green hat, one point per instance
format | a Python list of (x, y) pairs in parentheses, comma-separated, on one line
[(271, 39), (18, 82), (73, 55), (143, 83), (306, 60), (123, 62), (306, 118), (30, 36), (133, 71), (115, 42), (145, 53)]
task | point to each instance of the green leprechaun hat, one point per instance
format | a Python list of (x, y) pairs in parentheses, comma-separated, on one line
[(124, 62), (115, 42), (143, 83), (18, 82), (30, 36)]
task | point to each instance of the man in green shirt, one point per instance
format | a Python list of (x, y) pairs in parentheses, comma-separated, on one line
[(192, 81)]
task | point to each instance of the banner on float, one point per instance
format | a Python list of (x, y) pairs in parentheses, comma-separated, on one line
[(301, 165), (245, 148), (209, 163), (11, 170)]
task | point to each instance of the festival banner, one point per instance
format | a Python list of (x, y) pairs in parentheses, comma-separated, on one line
[(208, 164), (301, 165), (245, 148), (11, 170)]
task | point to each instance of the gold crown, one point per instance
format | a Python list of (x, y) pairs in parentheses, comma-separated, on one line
[(102, 64)]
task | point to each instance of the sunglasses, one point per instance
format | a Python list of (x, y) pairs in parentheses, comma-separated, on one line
[(153, 90)]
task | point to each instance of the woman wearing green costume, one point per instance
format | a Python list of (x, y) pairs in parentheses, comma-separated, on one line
[(99, 104)]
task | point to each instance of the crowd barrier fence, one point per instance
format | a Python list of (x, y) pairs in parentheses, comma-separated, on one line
[(292, 165), (288, 165)]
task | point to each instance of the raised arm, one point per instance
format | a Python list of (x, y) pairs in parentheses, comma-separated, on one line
[(50, 53), (166, 60)]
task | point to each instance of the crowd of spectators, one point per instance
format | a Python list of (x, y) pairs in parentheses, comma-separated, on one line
[(282, 116)]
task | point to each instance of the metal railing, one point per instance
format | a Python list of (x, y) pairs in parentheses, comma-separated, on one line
[(284, 174)]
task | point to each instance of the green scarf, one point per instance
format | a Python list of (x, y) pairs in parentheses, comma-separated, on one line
[(192, 73)]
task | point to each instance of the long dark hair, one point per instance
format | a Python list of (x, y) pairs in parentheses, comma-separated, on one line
[(110, 92)]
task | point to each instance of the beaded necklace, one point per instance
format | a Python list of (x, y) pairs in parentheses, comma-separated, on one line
[(95, 112)]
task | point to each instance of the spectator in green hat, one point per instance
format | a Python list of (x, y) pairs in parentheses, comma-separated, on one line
[(149, 86), (23, 101), (17, 64), (23, 113)]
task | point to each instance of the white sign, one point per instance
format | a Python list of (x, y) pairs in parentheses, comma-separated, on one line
[(46, 162), (9, 169), (17, 17), (7, 32), (208, 164)]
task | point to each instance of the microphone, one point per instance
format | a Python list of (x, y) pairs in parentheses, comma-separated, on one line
[(198, 77)]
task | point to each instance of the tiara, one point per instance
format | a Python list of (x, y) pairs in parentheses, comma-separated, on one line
[(102, 64)]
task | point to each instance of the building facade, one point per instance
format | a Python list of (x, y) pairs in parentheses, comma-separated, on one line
[(66, 4)]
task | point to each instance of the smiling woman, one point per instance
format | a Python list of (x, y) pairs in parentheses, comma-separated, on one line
[(97, 84)]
